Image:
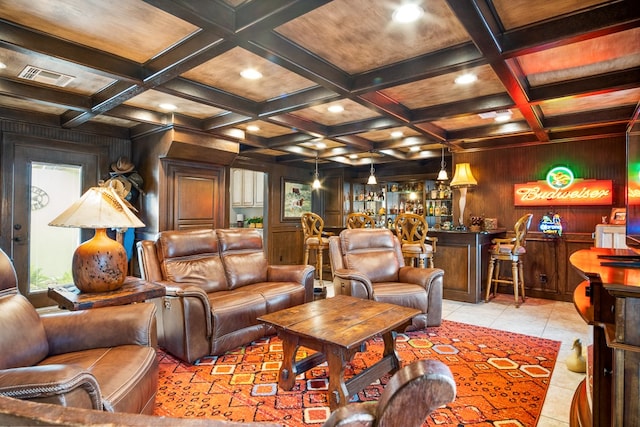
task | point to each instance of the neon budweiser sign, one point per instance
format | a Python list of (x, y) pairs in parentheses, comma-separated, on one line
[(561, 188)]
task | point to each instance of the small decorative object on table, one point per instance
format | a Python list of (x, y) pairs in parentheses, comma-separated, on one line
[(490, 224), (476, 223)]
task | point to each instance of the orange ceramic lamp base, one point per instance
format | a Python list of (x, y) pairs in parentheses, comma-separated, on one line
[(99, 264)]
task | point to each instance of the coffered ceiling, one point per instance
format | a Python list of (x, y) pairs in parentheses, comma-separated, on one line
[(561, 70)]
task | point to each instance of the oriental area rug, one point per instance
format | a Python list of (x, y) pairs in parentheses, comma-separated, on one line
[(501, 377)]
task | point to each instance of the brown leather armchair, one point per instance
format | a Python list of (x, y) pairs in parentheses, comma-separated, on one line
[(101, 359), (368, 263), (218, 283), (411, 395)]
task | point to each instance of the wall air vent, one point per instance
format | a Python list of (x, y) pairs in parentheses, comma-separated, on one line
[(45, 76)]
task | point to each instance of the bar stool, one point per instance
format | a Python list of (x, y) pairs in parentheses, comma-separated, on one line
[(360, 220), (411, 230), (314, 239), (513, 250)]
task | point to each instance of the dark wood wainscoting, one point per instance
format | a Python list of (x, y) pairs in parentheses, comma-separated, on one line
[(547, 273), (285, 245)]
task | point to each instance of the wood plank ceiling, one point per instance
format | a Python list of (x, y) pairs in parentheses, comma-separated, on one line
[(562, 70)]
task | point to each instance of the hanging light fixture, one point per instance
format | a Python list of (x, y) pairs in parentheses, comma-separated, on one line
[(316, 181), (442, 175), (372, 178)]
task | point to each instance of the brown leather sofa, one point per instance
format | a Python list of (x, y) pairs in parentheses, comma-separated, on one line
[(218, 283), (368, 263), (101, 359)]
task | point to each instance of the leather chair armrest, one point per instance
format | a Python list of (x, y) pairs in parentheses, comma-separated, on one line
[(290, 273), (189, 290), (352, 282), (303, 274), (101, 327), (46, 381), (419, 276)]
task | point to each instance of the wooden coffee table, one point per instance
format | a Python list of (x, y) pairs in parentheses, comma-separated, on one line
[(336, 328)]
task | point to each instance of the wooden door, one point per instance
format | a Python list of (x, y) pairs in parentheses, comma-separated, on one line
[(33, 245), (195, 196)]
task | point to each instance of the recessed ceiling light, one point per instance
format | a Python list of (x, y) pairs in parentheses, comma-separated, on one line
[(335, 108), (466, 79), (353, 156), (396, 134), (236, 133), (3, 65), (414, 148), (253, 128), (251, 74), (503, 116), (407, 13), (168, 107), (321, 145)]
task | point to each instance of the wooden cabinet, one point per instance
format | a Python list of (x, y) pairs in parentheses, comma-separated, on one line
[(464, 257), (247, 188)]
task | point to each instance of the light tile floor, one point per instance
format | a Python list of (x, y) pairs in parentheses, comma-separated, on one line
[(554, 320)]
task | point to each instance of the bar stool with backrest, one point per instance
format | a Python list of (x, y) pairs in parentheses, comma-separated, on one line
[(411, 230), (314, 239), (360, 220), (509, 249)]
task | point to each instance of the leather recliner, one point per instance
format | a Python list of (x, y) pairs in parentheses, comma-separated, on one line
[(368, 263), (218, 282), (102, 358)]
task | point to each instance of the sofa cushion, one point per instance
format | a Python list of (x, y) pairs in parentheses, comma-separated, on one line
[(373, 253), (192, 257), (243, 257), (127, 375), (26, 344)]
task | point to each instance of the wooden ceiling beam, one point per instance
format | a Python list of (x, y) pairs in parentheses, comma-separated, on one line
[(209, 96), (594, 22), (611, 115), (224, 120), (477, 105), (482, 29), (434, 64), (47, 96), (18, 39), (303, 99), (602, 83)]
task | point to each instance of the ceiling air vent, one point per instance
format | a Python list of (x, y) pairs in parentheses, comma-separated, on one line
[(45, 76)]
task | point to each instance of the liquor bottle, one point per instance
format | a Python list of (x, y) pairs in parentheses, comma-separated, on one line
[(437, 210)]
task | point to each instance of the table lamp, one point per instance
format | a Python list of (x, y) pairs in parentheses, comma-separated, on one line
[(99, 264), (463, 179)]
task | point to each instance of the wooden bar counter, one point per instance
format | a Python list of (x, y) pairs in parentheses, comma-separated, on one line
[(464, 256), (609, 300)]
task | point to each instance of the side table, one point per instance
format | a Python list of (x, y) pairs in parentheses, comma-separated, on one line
[(133, 290)]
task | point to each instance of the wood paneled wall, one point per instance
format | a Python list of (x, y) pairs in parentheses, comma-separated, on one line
[(547, 270)]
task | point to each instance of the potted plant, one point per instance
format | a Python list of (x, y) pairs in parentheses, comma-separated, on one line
[(255, 222)]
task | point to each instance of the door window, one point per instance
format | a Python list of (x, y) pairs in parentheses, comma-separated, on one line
[(54, 188)]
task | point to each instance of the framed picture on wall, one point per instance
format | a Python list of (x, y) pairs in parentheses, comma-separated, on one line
[(296, 199), (618, 216)]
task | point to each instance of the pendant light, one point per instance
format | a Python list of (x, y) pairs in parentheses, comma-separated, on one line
[(316, 181), (372, 178), (442, 175)]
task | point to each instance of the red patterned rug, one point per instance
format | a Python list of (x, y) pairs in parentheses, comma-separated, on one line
[(501, 377)]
